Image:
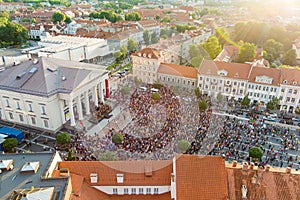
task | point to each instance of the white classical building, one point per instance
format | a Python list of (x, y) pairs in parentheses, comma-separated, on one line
[(47, 93)]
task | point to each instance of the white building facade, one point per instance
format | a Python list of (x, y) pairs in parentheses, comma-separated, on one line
[(48, 93)]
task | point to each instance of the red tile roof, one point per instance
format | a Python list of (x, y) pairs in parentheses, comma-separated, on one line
[(178, 70), (265, 71), (147, 52), (201, 178), (291, 75), (262, 184)]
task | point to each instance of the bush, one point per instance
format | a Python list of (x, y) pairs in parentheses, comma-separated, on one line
[(183, 146), (256, 152), (63, 138), (197, 92), (9, 144), (155, 96), (202, 105), (157, 85), (117, 138)]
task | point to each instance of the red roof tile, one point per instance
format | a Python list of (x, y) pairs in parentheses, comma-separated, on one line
[(201, 178), (178, 70)]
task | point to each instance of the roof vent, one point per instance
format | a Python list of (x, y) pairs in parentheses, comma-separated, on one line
[(19, 76), (252, 165), (51, 69), (63, 78), (94, 178), (35, 61), (120, 178), (234, 163), (245, 166), (288, 170), (17, 62)]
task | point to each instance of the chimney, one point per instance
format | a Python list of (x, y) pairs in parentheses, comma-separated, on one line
[(252, 165), (245, 166), (234, 163), (288, 170), (268, 168)]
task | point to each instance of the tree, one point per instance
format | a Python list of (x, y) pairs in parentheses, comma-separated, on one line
[(255, 152), (273, 103), (196, 61), (212, 46), (133, 16), (183, 146), (58, 17), (11, 33), (132, 45), (297, 111), (154, 38), (247, 52), (197, 92), (146, 36), (219, 97), (222, 36), (155, 96), (194, 50), (202, 105), (117, 138), (108, 156), (289, 57), (273, 50), (246, 101), (68, 20), (63, 138), (70, 156), (9, 144)]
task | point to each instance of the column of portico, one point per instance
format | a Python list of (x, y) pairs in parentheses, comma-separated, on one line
[(73, 123), (79, 108), (95, 96), (87, 103), (100, 92)]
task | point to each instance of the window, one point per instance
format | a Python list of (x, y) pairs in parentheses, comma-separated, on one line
[(254, 94), (46, 123), (275, 89), (200, 85), (207, 79), (241, 91), (295, 91), (220, 88), (264, 88), (30, 107), (290, 90), (234, 83), (115, 190), (293, 100), (133, 190), (288, 99), (33, 121), (200, 78), (257, 94), (256, 87), (221, 81), (125, 190), (7, 103), (281, 97), (242, 84), (43, 110), (18, 106), (11, 115), (259, 88), (282, 90), (250, 94), (148, 190), (213, 87), (155, 190), (234, 90), (141, 190), (21, 118)]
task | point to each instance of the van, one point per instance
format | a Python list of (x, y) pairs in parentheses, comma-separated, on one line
[(144, 89), (154, 90)]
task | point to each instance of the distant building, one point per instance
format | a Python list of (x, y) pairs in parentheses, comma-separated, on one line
[(47, 93)]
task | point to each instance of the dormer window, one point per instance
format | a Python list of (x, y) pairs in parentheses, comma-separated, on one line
[(285, 82), (294, 82), (144, 55)]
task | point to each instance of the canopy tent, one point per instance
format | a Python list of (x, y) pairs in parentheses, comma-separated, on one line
[(12, 133)]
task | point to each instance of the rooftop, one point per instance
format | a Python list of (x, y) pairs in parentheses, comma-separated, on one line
[(178, 70), (14, 180)]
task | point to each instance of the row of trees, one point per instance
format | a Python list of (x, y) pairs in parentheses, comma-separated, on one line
[(150, 38), (110, 15)]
